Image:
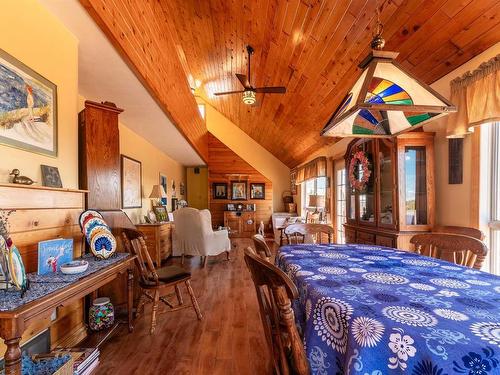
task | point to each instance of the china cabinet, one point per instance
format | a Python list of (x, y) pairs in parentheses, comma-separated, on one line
[(390, 194)]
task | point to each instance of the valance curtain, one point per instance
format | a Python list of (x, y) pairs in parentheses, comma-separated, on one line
[(477, 97), (314, 168)]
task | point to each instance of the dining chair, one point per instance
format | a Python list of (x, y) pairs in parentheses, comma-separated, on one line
[(304, 233), (275, 291), (155, 282), (462, 250), (261, 247), (466, 231)]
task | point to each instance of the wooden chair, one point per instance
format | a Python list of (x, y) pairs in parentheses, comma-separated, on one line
[(297, 233), (261, 247), (155, 282), (275, 291), (466, 231), (456, 248)]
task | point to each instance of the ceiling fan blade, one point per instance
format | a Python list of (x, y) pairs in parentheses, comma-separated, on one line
[(229, 92), (244, 80), (271, 90)]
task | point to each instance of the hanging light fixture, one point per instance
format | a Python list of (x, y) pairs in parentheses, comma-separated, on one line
[(386, 100), (248, 97)]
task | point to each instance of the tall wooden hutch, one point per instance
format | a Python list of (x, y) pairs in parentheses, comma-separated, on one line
[(390, 189)]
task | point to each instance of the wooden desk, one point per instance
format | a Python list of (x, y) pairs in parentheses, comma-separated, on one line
[(14, 322)]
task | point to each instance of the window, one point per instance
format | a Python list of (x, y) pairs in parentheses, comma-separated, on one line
[(489, 203), (314, 186), (201, 108), (340, 197)]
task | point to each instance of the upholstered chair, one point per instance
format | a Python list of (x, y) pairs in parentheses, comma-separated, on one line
[(194, 234)]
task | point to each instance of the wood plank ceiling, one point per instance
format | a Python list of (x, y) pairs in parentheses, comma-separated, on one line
[(311, 46)]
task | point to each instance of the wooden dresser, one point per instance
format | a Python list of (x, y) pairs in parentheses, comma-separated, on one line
[(242, 224), (158, 240)]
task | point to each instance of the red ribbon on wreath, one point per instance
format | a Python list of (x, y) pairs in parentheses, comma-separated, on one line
[(359, 184)]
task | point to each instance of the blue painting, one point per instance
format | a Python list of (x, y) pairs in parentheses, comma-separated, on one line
[(54, 253), (163, 182), (28, 115)]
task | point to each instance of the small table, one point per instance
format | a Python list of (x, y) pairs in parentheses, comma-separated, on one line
[(374, 310), (44, 296)]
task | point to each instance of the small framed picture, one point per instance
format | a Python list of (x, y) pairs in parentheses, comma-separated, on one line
[(238, 190), (161, 213), (219, 190), (51, 176), (257, 191), (231, 207)]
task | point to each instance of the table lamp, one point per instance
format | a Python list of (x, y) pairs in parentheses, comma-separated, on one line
[(158, 192)]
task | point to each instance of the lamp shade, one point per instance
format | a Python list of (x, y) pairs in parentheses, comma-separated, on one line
[(385, 101), (317, 201), (158, 192)]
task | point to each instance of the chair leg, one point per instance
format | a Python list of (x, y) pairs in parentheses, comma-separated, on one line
[(193, 300), (227, 255), (179, 295), (205, 261), (140, 306), (155, 310)]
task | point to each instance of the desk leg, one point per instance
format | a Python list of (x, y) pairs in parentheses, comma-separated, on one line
[(130, 298), (13, 357)]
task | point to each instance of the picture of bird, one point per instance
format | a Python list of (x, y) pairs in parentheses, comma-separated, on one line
[(52, 260)]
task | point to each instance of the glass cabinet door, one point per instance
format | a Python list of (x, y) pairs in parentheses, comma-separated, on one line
[(386, 186), (415, 185), (366, 195)]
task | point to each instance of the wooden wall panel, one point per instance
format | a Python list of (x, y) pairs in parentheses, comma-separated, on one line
[(222, 162), (44, 214), (140, 33)]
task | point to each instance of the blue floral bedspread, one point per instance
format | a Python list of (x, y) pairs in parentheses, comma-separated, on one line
[(372, 310)]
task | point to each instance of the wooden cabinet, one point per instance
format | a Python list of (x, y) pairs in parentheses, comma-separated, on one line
[(242, 224), (158, 240), (391, 195), (99, 155)]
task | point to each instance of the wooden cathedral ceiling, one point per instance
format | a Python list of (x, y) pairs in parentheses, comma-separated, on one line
[(311, 46)]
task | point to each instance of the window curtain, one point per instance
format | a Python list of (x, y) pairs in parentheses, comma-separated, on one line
[(477, 97), (315, 168)]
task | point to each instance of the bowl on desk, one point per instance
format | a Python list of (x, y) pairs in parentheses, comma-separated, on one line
[(74, 267)]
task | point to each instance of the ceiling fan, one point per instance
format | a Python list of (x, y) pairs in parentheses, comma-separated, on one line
[(250, 91)]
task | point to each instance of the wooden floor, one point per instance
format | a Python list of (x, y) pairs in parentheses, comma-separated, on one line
[(229, 339)]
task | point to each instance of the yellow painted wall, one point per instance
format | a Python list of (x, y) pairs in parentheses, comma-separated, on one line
[(154, 162), (197, 188), (250, 151), (34, 36)]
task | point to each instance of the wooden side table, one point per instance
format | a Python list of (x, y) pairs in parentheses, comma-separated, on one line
[(158, 238)]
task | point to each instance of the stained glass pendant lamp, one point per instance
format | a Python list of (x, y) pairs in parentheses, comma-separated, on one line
[(386, 100)]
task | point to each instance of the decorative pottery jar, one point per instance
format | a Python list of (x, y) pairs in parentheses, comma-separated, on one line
[(101, 314)]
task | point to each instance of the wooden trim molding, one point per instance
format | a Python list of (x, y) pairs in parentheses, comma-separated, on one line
[(475, 177)]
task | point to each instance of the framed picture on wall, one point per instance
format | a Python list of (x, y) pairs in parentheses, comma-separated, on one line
[(238, 190), (28, 108), (257, 191), (163, 182), (131, 182), (219, 190)]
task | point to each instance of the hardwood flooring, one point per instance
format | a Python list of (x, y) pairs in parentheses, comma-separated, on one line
[(229, 339)]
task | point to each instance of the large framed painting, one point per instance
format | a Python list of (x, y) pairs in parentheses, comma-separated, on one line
[(28, 108), (238, 190), (163, 182), (131, 182)]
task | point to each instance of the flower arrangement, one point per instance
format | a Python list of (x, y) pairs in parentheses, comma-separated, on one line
[(359, 180)]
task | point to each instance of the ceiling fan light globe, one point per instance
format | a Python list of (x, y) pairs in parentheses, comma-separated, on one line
[(248, 97)]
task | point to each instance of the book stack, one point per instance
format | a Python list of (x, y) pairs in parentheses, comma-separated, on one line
[(85, 360)]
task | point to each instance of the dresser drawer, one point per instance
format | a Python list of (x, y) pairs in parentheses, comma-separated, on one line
[(365, 238), (385, 241), (350, 235)]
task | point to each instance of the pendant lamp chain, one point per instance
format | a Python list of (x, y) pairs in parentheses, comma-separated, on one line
[(378, 42)]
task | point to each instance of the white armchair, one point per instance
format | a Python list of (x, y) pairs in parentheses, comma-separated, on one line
[(194, 234)]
